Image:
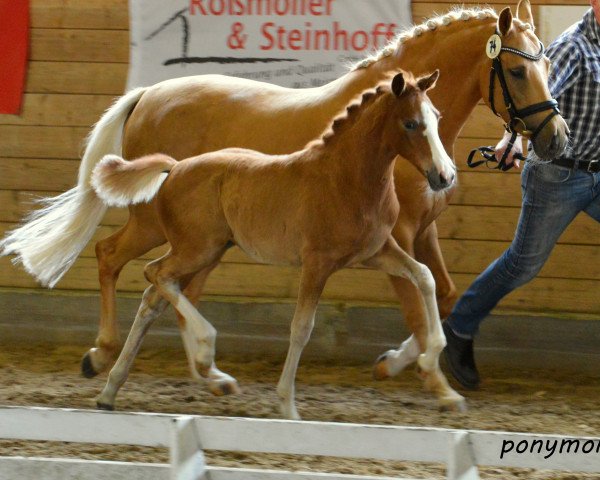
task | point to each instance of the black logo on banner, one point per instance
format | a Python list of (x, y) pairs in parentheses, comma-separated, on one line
[(181, 17)]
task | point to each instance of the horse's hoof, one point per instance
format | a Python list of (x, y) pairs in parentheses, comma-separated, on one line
[(225, 388), (457, 406), (105, 406), (87, 368)]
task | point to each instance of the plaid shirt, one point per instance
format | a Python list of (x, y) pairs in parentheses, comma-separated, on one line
[(575, 83)]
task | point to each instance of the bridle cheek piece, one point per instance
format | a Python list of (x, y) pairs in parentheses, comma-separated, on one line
[(494, 49)]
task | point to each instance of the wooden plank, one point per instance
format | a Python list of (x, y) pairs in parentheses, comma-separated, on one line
[(59, 110), (41, 174), (566, 261), (75, 469), (70, 45), (41, 142), (76, 77), (550, 295), (97, 14), (231, 434), (380, 442)]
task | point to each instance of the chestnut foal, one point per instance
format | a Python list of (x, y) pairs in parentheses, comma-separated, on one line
[(323, 208)]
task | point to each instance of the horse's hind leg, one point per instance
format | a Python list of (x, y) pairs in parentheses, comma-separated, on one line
[(219, 383), (151, 307), (314, 275), (394, 261), (141, 234)]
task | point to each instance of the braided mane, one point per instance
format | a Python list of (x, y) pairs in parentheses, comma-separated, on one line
[(361, 102), (456, 14)]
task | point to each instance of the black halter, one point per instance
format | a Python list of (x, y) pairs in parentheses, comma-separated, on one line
[(516, 115)]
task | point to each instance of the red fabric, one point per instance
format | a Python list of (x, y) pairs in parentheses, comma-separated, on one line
[(14, 40)]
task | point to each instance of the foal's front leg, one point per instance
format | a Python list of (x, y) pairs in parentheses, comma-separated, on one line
[(315, 272), (395, 261)]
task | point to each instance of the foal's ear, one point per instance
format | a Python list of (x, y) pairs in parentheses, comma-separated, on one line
[(524, 12), (428, 82), (504, 21), (398, 84)]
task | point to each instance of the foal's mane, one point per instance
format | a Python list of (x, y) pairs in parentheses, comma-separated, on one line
[(356, 107), (456, 14)]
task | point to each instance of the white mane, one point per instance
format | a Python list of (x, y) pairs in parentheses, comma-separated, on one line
[(454, 15)]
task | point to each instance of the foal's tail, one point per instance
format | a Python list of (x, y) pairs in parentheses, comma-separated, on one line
[(54, 235), (119, 183)]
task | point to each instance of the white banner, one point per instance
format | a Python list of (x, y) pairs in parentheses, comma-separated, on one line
[(294, 43)]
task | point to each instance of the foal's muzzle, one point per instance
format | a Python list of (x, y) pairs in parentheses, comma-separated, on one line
[(438, 181)]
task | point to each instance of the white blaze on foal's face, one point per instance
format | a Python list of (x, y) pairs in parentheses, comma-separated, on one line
[(442, 162)]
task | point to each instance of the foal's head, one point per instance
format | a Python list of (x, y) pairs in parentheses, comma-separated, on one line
[(412, 128)]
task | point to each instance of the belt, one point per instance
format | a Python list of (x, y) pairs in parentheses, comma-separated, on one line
[(591, 166)]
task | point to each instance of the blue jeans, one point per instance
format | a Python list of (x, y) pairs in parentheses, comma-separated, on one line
[(552, 197)]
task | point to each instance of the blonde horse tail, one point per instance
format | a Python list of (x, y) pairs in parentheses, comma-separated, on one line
[(53, 236), (120, 183)]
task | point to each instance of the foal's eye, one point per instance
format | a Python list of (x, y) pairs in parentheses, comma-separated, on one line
[(410, 125), (518, 72)]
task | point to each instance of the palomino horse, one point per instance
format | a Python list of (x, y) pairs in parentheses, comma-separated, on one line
[(193, 115), (347, 177)]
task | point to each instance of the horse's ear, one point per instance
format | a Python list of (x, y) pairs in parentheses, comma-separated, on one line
[(398, 84), (505, 21), (428, 82), (524, 12)]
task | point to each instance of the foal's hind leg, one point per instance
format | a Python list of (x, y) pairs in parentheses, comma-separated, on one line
[(199, 335), (219, 383), (394, 261), (315, 272), (151, 307), (141, 234)]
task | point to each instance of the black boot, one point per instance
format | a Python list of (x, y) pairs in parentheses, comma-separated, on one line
[(460, 359)]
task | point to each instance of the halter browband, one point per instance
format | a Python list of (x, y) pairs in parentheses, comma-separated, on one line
[(516, 115)]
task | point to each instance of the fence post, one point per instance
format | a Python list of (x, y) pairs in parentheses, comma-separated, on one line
[(187, 457), (461, 460)]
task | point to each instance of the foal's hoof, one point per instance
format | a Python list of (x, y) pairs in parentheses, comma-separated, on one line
[(220, 389), (87, 368), (454, 405), (380, 370), (105, 406)]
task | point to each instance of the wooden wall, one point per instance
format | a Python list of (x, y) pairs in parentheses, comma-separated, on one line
[(78, 65)]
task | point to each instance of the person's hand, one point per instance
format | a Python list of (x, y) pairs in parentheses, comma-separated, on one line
[(516, 149)]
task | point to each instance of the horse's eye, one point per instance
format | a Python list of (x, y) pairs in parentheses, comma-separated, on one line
[(518, 72), (411, 125)]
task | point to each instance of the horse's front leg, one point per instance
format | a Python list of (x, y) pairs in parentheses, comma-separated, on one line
[(395, 261), (427, 251), (315, 272), (151, 307)]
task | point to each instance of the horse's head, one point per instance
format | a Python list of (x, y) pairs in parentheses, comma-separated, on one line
[(514, 83), (417, 119)]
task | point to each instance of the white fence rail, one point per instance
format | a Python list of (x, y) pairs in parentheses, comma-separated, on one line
[(187, 436)]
